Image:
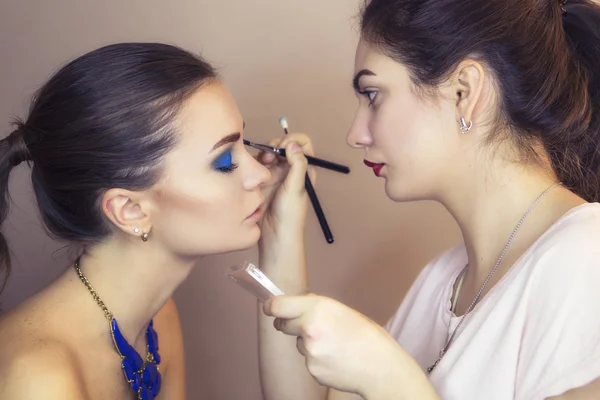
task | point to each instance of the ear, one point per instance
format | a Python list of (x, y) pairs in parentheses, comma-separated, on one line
[(468, 87), (127, 210)]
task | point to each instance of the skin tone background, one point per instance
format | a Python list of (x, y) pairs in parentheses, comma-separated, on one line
[(277, 58)]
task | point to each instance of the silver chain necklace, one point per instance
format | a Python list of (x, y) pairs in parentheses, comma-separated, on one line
[(450, 337)]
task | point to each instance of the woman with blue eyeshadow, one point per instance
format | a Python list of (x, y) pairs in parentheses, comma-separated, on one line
[(137, 159)]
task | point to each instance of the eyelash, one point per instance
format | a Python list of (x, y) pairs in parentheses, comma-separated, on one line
[(367, 94), (224, 163), (228, 169)]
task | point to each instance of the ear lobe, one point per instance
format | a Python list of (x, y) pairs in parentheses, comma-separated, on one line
[(469, 82), (123, 208)]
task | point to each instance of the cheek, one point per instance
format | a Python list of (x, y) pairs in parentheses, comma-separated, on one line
[(397, 128), (196, 215), (415, 143), (207, 223), (199, 200)]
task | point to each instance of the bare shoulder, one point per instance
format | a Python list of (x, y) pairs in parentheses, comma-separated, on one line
[(36, 361), (40, 369), (168, 313)]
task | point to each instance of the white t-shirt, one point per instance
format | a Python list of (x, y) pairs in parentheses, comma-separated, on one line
[(536, 334)]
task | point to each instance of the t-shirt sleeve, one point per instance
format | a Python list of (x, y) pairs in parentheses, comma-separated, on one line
[(560, 346)]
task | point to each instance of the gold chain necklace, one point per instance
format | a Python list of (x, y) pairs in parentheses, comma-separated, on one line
[(142, 375), (107, 313)]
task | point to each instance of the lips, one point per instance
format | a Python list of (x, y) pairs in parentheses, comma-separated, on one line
[(376, 166), (257, 214)]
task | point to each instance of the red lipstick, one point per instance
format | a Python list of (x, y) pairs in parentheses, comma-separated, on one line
[(376, 167)]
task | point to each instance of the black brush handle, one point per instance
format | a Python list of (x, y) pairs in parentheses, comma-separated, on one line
[(312, 195), (318, 162)]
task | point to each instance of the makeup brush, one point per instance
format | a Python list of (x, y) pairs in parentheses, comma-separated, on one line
[(284, 124), (317, 162), (312, 195)]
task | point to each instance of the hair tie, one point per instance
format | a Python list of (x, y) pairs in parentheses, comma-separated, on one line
[(17, 148)]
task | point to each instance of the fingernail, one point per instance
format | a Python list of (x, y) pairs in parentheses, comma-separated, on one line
[(294, 147)]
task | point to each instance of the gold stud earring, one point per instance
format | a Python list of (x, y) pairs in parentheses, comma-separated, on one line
[(144, 237)]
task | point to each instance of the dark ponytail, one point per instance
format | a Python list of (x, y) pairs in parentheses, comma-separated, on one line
[(581, 22), (544, 54), (13, 151)]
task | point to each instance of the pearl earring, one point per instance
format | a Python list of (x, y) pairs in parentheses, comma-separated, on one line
[(136, 230)]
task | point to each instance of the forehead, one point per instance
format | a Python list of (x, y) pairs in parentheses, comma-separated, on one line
[(208, 115), (366, 56), (369, 57)]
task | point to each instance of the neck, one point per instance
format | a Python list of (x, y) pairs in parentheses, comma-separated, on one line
[(488, 213), (134, 280)]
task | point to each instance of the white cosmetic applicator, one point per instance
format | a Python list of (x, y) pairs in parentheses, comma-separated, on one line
[(284, 124)]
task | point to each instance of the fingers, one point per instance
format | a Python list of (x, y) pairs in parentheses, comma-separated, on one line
[(298, 165), (292, 327), (303, 141), (295, 159), (288, 307), (268, 158), (306, 145), (301, 346)]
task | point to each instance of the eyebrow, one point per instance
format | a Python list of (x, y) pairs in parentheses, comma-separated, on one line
[(232, 138), (360, 74)]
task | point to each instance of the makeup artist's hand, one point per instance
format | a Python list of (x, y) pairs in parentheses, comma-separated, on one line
[(285, 198), (347, 351)]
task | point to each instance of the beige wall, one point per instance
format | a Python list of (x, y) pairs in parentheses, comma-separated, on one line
[(292, 58)]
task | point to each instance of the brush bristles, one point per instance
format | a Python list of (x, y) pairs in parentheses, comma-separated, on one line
[(283, 122)]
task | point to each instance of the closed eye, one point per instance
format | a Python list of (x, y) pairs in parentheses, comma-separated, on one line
[(224, 162)]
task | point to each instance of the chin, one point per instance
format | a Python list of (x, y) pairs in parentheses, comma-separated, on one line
[(254, 236), (400, 193), (248, 240)]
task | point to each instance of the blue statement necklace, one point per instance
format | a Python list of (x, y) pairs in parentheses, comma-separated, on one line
[(142, 374)]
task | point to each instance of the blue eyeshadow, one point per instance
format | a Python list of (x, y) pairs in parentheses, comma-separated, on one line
[(224, 161)]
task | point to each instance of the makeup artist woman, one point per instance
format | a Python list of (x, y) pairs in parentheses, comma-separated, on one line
[(491, 108)]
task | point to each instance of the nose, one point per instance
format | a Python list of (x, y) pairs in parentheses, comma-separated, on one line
[(359, 135), (257, 174)]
